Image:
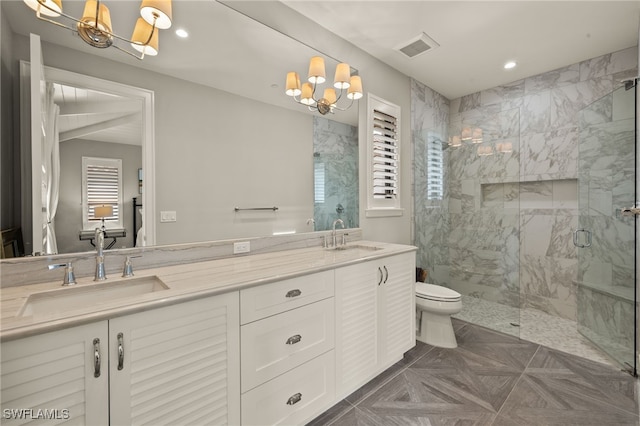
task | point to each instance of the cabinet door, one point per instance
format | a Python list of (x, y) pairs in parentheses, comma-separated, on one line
[(54, 375), (356, 319), (180, 364), (397, 308)]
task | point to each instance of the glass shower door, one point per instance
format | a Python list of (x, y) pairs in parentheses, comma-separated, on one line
[(605, 237)]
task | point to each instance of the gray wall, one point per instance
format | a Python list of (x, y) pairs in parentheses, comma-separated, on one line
[(199, 129), (214, 151), (8, 206), (379, 79), (68, 222)]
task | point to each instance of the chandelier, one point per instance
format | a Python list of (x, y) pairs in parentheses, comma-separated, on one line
[(95, 25), (306, 94)]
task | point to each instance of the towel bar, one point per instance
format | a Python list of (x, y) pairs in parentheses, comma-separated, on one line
[(237, 209)]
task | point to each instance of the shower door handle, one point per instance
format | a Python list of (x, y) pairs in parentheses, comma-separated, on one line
[(576, 239)]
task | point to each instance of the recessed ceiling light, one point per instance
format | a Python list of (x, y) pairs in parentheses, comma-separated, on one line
[(509, 65), (182, 33)]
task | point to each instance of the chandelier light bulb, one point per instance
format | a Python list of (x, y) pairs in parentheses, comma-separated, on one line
[(317, 73), (355, 88), (342, 77), (293, 84)]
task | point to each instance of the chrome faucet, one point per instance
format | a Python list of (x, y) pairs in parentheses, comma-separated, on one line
[(333, 231), (100, 272), (69, 276)]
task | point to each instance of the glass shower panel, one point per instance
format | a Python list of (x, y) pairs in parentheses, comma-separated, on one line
[(606, 238), (484, 218)]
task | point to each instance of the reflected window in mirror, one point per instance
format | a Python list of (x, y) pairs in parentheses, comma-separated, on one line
[(318, 179), (435, 168), (101, 186)]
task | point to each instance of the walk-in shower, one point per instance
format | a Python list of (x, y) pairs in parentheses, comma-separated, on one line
[(528, 169), (606, 232)]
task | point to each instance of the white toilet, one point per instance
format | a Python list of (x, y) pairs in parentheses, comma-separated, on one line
[(436, 304)]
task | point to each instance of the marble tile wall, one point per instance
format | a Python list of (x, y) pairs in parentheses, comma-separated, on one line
[(429, 121), (509, 217), (335, 151)]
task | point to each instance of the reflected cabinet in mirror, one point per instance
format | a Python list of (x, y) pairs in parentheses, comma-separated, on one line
[(219, 146)]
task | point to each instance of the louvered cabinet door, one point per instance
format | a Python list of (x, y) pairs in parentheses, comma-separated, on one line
[(53, 376), (356, 326), (397, 307), (177, 365)]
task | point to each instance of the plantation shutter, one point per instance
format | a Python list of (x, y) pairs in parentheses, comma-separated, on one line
[(318, 182), (435, 169), (385, 156), (101, 186)]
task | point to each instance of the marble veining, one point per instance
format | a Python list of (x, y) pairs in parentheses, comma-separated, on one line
[(335, 158), (185, 282), (507, 220)]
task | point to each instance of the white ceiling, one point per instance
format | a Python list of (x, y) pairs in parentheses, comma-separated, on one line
[(476, 38), (101, 117), (230, 51)]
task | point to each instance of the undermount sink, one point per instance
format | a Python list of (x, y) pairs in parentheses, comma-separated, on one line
[(69, 298)]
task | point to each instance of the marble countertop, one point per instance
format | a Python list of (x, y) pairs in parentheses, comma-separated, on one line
[(185, 282)]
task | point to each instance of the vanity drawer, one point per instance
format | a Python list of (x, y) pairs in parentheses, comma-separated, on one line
[(279, 343), (270, 299), (294, 397)]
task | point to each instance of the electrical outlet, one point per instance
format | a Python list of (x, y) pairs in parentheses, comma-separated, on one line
[(168, 216), (241, 247)]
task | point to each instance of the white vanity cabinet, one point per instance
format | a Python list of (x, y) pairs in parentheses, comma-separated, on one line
[(176, 364), (287, 340), (58, 372), (375, 310)]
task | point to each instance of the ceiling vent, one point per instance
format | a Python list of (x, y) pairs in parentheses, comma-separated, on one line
[(417, 46)]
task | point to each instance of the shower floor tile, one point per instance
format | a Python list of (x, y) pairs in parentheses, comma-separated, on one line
[(533, 325)]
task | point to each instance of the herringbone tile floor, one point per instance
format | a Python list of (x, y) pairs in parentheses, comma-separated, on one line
[(490, 379)]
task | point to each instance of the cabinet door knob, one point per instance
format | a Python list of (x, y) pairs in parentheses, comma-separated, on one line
[(381, 276), (120, 351), (294, 339), (294, 399), (96, 357), (294, 293), (386, 274)]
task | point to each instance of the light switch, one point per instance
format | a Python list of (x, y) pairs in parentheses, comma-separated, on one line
[(168, 216)]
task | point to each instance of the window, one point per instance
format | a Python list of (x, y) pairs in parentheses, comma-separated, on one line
[(318, 182), (383, 122), (435, 168), (101, 186)]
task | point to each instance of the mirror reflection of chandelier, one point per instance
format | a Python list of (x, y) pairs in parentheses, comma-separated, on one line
[(95, 25), (306, 94)]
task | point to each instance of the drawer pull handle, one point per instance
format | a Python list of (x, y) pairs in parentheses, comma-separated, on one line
[(294, 293), (96, 357), (294, 399), (294, 339), (120, 351)]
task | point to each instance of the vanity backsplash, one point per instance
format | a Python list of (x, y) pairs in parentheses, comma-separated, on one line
[(33, 270)]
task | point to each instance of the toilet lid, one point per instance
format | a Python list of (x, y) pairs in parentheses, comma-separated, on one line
[(436, 292)]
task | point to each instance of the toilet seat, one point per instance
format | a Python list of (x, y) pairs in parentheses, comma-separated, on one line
[(436, 293)]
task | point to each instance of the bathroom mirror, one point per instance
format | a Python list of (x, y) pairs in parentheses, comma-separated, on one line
[(226, 136)]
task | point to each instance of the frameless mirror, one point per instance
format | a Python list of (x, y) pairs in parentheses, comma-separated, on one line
[(226, 135)]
